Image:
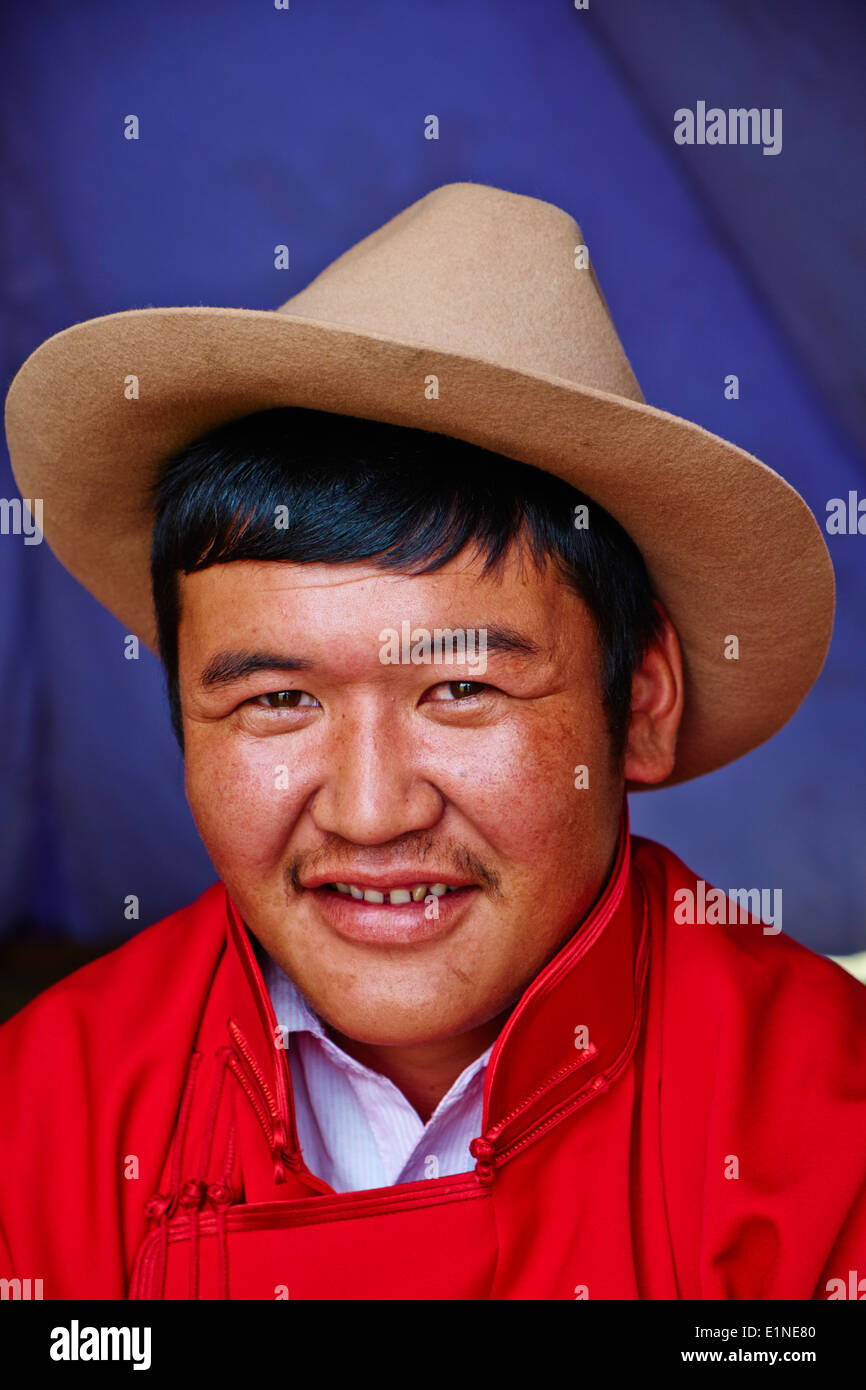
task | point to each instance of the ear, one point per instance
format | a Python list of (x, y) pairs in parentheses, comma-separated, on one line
[(656, 708)]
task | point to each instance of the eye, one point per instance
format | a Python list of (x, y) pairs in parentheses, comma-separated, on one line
[(284, 699), (456, 691)]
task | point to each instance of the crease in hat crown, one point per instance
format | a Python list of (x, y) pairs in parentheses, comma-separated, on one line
[(482, 272)]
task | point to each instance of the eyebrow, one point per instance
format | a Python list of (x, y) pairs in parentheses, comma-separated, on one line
[(507, 639), (227, 667)]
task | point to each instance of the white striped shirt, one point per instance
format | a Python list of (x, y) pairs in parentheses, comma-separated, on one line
[(356, 1128)]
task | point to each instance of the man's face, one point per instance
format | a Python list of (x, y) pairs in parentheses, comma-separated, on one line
[(388, 777)]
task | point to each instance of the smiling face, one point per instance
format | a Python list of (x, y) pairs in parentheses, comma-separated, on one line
[(310, 762)]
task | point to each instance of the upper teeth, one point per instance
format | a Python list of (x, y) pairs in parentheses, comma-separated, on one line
[(395, 895)]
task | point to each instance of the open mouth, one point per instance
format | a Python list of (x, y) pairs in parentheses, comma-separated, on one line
[(393, 908), (410, 912), (397, 897)]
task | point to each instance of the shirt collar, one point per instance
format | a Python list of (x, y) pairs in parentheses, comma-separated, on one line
[(294, 1014)]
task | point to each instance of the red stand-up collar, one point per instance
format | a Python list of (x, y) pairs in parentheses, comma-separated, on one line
[(567, 1039)]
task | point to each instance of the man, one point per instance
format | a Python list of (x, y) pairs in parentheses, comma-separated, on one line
[(434, 589)]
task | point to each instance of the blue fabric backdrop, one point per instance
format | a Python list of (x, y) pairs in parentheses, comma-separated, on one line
[(305, 126)]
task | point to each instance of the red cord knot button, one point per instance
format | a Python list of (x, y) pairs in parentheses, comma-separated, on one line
[(482, 1150), (220, 1193), (158, 1206), (193, 1193)]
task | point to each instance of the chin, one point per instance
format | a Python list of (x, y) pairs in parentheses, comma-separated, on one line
[(386, 1026)]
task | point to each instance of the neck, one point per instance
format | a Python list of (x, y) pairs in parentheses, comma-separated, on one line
[(424, 1072)]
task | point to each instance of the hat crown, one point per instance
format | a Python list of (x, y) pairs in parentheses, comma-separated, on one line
[(484, 273)]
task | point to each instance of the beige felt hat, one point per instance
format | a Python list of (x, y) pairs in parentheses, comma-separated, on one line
[(484, 290)]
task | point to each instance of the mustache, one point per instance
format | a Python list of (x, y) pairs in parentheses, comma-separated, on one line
[(412, 850)]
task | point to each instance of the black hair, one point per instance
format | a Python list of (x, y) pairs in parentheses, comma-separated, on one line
[(405, 499)]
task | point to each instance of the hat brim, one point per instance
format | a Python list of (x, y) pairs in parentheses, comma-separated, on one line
[(731, 548)]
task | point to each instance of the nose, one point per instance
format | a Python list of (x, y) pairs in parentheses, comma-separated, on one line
[(374, 783)]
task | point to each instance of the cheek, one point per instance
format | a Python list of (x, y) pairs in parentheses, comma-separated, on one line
[(242, 796), (518, 786)]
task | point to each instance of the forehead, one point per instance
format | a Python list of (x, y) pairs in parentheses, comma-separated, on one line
[(253, 599)]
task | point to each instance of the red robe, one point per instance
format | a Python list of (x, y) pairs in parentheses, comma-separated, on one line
[(705, 1138)]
